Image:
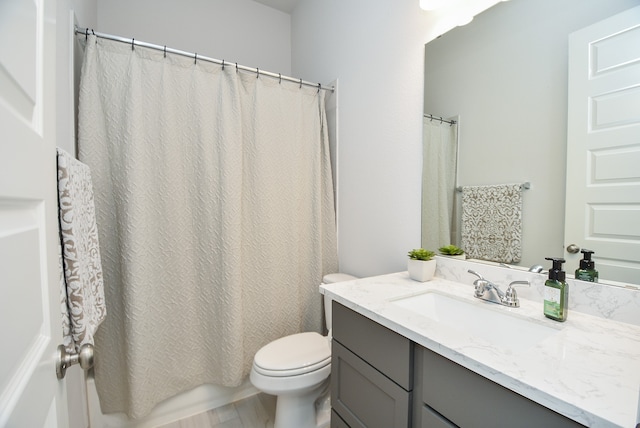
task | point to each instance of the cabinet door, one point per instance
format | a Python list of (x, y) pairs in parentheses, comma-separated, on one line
[(384, 349), (336, 421), (364, 397), (470, 400), (431, 419)]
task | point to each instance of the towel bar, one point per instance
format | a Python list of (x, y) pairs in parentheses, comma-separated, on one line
[(523, 186)]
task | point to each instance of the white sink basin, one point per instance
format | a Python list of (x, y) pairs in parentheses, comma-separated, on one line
[(478, 319)]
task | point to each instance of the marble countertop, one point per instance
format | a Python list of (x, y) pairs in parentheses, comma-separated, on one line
[(589, 371)]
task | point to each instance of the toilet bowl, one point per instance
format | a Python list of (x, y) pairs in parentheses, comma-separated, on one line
[(296, 369)]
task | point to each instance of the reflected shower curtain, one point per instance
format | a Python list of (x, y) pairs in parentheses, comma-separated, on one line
[(440, 154), (215, 209)]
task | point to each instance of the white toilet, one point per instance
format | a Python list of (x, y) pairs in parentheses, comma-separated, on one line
[(296, 369)]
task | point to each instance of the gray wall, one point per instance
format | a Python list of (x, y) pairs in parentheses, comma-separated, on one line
[(242, 31)]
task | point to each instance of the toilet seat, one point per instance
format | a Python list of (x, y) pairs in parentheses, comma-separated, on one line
[(293, 355)]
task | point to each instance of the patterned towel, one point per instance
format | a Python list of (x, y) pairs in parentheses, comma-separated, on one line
[(81, 287), (492, 222)]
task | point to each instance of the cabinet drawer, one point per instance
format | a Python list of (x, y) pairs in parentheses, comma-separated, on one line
[(336, 421), (362, 396), (384, 349), (431, 419), (470, 400)]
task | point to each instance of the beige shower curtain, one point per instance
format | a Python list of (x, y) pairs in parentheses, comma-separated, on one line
[(440, 155), (215, 209)]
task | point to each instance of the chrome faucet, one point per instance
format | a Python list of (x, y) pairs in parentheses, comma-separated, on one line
[(487, 290)]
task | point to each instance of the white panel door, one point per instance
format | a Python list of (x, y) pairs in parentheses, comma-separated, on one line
[(603, 149), (30, 327)]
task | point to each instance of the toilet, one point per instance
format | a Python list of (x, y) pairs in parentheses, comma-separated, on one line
[(296, 369)]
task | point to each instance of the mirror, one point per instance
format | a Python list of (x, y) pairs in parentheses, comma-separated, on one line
[(504, 78)]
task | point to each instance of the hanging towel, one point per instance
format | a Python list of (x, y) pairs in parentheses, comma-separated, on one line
[(81, 284), (492, 222)]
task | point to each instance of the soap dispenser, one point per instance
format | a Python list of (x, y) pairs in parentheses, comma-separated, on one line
[(556, 292), (587, 270)]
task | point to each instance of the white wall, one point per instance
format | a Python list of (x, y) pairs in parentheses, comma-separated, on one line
[(240, 31), (85, 11), (376, 50)]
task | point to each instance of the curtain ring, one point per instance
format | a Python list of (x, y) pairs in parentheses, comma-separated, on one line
[(132, 43), (195, 58), (165, 51), (236, 67), (319, 86), (86, 34), (257, 73), (440, 120), (222, 65), (300, 83), (280, 78)]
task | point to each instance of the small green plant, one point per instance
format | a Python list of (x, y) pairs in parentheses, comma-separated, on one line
[(451, 250), (421, 254)]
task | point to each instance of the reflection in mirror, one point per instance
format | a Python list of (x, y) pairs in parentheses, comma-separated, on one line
[(505, 77), (439, 161)]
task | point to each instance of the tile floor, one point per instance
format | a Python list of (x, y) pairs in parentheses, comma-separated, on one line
[(257, 411)]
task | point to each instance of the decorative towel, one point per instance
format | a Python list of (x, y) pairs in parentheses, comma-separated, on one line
[(81, 286), (492, 222)]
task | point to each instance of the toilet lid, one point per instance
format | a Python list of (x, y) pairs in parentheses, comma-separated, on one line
[(294, 354)]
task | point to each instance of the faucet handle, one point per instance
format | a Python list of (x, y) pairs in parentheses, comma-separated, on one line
[(527, 283), (473, 272), (511, 297)]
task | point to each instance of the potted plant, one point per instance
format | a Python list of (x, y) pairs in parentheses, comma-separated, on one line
[(452, 251), (421, 264)]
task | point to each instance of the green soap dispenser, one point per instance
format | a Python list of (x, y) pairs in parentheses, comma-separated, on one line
[(556, 292), (587, 270)]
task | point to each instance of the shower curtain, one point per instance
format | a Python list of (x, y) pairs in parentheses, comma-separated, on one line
[(214, 202), (440, 155)]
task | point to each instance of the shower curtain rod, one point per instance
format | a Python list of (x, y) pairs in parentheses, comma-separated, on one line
[(439, 118), (133, 42)]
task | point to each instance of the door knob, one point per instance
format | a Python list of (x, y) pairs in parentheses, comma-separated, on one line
[(65, 360), (573, 249)]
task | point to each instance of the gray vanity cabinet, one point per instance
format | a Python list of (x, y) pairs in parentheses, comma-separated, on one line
[(371, 373), (449, 395), (374, 370)]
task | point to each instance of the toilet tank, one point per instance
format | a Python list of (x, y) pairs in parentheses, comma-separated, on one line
[(332, 278)]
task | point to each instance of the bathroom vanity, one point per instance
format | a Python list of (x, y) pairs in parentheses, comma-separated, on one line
[(404, 358), (374, 371)]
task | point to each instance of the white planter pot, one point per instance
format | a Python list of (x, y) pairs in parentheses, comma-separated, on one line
[(459, 256), (420, 270)]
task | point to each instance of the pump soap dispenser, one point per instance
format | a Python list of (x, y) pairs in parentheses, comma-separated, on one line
[(587, 270), (556, 292)]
